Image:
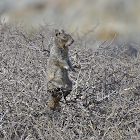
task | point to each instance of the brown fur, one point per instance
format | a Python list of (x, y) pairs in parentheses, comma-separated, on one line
[(57, 68)]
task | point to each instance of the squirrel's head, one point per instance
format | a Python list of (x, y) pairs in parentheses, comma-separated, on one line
[(62, 39)]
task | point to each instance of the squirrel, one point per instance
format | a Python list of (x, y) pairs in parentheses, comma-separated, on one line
[(58, 82)]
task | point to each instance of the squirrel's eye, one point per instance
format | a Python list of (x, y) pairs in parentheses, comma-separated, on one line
[(64, 37)]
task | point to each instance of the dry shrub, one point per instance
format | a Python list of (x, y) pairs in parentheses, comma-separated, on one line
[(104, 102)]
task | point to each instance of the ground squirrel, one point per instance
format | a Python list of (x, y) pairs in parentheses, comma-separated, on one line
[(58, 81)]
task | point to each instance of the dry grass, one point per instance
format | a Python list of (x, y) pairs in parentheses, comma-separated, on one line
[(104, 103)]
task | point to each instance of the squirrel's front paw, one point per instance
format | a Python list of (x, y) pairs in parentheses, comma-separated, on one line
[(66, 67)]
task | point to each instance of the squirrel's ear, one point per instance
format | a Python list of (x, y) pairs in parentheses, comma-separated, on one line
[(62, 31), (56, 32)]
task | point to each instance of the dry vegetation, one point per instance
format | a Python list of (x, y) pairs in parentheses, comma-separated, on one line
[(104, 103)]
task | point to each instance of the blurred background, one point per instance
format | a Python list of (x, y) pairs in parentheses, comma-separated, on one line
[(98, 20)]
